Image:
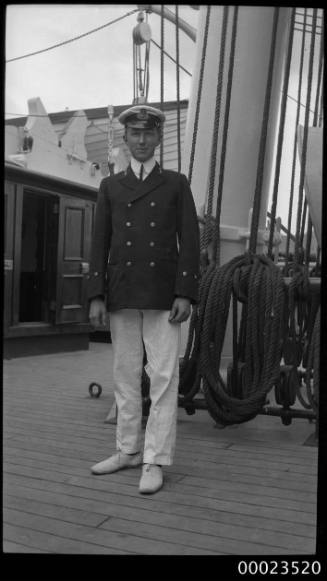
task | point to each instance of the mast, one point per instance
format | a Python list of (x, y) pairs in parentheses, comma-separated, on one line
[(169, 15)]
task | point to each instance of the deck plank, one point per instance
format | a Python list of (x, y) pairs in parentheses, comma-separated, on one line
[(234, 454), (209, 486), (185, 492), (238, 526), (169, 501), (52, 543), (114, 541), (9, 547), (244, 489)]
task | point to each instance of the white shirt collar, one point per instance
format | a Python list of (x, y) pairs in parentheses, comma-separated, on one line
[(148, 166)]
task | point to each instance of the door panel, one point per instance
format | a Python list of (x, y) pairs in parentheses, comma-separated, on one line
[(74, 241), (9, 224)]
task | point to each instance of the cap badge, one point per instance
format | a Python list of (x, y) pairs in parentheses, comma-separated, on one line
[(142, 115)]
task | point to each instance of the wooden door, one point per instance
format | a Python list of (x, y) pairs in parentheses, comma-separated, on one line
[(9, 224), (74, 245)]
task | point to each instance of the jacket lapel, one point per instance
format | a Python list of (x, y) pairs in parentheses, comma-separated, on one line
[(138, 189)]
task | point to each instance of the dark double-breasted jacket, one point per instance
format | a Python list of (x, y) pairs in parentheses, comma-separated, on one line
[(145, 249)]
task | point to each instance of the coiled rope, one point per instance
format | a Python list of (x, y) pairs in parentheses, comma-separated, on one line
[(259, 282), (254, 280), (276, 320)]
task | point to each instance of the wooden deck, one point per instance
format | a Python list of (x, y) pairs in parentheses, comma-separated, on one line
[(241, 490)]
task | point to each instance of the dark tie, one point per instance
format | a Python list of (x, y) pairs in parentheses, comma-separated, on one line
[(141, 172)]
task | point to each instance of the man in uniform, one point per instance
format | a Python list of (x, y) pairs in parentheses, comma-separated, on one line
[(146, 225)]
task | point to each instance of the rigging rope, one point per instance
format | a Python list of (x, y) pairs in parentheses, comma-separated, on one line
[(198, 101), (290, 209), (258, 280), (216, 233), (281, 133), (305, 138), (258, 284), (162, 30), (17, 58), (178, 92), (214, 146), (313, 365), (319, 84), (302, 300), (263, 139), (171, 58)]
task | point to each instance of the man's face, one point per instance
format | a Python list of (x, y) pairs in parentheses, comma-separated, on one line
[(142, 142)]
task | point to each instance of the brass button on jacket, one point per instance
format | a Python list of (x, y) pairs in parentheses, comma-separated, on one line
[(149, 272)]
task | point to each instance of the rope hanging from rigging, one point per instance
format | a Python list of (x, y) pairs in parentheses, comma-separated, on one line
[(214, 146), (263, 139), (256, 282), (178, 91), (305, 137), (281, 132), (303, 296), (162, 77), (294, 158), (198, 102)]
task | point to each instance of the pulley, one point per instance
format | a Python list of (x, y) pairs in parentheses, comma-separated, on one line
[(142, 31), (141, 36)]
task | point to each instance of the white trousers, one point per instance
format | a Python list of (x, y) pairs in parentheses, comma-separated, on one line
[(130, 328)]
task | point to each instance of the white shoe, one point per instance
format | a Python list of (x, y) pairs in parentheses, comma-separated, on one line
[(151, 479), (117, 462)]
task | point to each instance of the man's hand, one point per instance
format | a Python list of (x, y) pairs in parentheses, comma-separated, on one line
[(180, 310), (98, 312)]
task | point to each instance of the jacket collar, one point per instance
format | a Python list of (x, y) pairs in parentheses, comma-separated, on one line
[(148, 166), (137, 188)]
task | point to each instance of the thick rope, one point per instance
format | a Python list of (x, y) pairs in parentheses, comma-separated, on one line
[(162, 30), (188, 365), (266, 316), (301, 313), (178, 92), (214, 146), (264, 289), (315, 122), (294, 157), (216, 233), (305, 137), (262, 286), (263, 139), (281, 133), (198, 102), (147, 71), (314, 364), (308, 242)]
